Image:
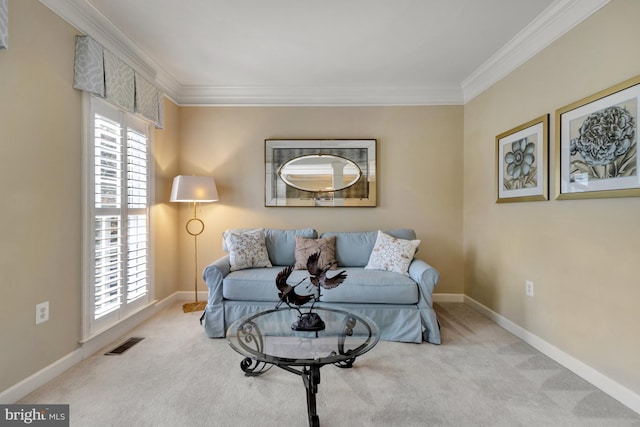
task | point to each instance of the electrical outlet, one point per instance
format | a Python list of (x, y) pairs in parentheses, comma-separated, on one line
[(42, 312), (529, 287)]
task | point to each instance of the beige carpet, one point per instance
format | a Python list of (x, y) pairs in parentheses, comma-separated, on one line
[(480, 376)]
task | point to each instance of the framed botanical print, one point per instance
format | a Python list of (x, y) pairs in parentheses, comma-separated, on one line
[(4, 24), (597, 144), (522, 162)]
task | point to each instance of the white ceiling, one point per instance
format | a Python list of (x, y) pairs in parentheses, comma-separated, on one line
[(326, 52)]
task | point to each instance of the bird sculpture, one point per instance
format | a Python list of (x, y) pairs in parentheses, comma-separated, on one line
[(309, 321), (287, 293), (319, 274)]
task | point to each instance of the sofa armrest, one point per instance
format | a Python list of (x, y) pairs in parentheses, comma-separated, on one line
[(427, 278), (220, 266), (214, 313)]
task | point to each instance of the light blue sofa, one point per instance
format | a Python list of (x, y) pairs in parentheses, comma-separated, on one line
[(401, 306)]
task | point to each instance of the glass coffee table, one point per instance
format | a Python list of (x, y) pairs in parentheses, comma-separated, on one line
[(267, 339)]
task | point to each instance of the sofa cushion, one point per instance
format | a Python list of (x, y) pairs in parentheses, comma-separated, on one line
[(392, 254), (260, 284), (247, 249), (306, 247), (353, 249), (373, 286), (281, 244)]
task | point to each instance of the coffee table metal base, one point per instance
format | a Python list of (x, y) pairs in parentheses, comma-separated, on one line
[(355, 334), (310, 377)]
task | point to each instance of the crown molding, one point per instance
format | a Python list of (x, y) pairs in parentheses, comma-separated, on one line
[(552, 23), (308, 95), (556, 20)]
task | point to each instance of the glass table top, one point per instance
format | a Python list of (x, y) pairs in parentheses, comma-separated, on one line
[(268, 336)]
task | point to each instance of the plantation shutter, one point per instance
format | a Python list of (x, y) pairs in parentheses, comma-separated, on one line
[(138, 202), (120, 215), (108, 220)]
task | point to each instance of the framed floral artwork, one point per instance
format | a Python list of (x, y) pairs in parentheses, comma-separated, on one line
[(597, 144), (522, 162)]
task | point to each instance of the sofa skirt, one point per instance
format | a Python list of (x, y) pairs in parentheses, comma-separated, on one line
[(396, 322)]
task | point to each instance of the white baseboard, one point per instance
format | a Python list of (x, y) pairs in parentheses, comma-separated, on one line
[(448, 297), (619, 392), (40, 378), (188, 296), (85, 350)]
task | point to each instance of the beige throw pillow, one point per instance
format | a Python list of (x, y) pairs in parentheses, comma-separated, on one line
[(306, 247), (247, 249), (392, 254)]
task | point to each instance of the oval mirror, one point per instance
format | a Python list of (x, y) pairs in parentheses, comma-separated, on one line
[(320, 173)]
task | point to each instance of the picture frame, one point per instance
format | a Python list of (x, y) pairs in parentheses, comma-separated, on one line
[(4, 24), (320, 173), (522, 162), (596, 144)]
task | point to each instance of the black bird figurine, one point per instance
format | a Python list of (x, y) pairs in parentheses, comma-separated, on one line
[(319, 274), (309, 321), (287, 292)]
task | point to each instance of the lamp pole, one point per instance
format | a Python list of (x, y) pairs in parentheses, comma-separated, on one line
[(195, 227)]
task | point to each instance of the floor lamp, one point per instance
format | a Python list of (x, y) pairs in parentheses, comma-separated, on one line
[(194, 189)]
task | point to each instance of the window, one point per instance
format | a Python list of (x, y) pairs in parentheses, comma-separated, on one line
[(117, 200)]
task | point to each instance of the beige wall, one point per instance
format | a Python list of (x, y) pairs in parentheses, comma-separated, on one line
[(419, 175), (40, 135), (41, 193), (582, 255)]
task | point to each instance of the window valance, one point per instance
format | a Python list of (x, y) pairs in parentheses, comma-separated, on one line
[(4, 24), (101, 72)]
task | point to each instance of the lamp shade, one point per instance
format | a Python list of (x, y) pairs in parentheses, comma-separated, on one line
[(194, 189)]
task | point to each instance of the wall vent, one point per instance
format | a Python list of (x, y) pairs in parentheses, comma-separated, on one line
[(124, 346)]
